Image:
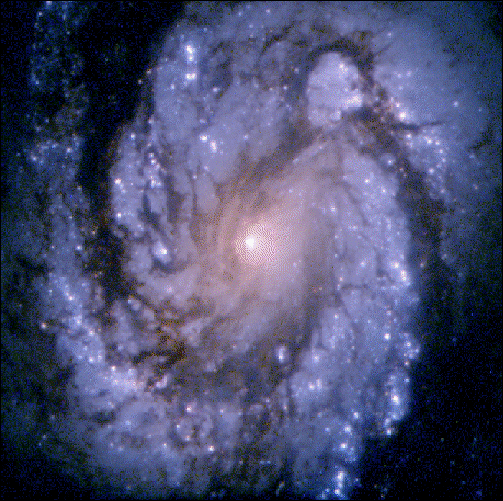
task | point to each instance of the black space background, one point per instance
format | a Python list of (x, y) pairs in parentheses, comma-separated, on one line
[(449, 446)]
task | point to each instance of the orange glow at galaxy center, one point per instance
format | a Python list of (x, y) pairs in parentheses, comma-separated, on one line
[(272, 244), (256, 245)]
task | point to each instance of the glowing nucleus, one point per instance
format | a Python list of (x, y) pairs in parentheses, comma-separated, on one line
[(256, 245), (251, 243)]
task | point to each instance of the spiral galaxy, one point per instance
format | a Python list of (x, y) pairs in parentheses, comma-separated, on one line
[(234, 307)]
